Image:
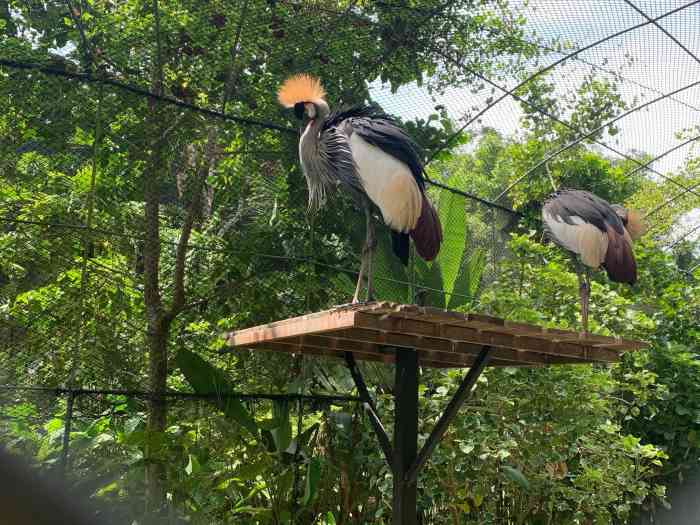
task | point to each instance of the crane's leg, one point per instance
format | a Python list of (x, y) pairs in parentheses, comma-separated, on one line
[(587, 279), (366, 265), (360, 278), (371, 245), (584, 287)]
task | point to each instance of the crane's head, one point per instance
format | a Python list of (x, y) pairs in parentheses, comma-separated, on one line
[(305, 94), (630, 220)]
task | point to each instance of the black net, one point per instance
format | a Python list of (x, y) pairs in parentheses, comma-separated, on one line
[(89, 84)]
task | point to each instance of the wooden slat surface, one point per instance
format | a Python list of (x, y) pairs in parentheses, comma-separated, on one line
[(441, 338)]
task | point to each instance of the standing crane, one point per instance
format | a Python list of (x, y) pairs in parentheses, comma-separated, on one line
[(365, 152), (599, 232)]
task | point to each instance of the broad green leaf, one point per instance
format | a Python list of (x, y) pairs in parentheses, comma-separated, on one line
[(302, 440), (282, 433), (207, 379), (388, 272), (453, 216), (468, 281), (313, 475), (250, 470), (54, 424), (430, 276), (268, 424)]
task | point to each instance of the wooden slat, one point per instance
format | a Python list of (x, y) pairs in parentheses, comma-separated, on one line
[(425, 358), (326, 352), (405, 328), (441, 338), (386, 356), (441, 348), (307, 324), (489, 322), (480, 321)]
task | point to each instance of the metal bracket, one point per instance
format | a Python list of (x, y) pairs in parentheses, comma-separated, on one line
[(370, 408), (450, 412)]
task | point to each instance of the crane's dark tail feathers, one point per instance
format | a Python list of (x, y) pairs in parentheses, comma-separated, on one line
[(427, 235), (400, 245), (619, 259)]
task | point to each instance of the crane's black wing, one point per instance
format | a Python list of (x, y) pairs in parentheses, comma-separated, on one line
[(591, 208), (383, 132), (619, 263)]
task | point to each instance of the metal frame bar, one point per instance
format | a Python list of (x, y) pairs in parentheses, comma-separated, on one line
[(622, 77), (510, 92), (590, 134), (564, 123), (179, 395), (87, 77), (450, 412), (660, 156), (670, 200), (67, 426), (684, 236), (370, 408), (663, 30), (481, 200)]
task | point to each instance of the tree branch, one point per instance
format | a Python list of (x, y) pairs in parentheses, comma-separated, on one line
[(192, 212)]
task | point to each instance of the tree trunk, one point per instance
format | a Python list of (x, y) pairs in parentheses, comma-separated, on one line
[(158, 324), (157, 336), (159, 317), (156, 423)]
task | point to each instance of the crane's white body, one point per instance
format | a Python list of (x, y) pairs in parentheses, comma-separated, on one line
[(389, 183), (581, 238)]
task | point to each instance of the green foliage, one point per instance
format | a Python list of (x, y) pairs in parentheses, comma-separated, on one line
[(208, 380), (561, 445)]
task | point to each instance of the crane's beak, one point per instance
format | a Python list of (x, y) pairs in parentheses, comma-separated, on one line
[(299, 110)]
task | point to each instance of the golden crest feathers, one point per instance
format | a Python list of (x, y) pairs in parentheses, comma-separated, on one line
[(300, 88), (635, 224)]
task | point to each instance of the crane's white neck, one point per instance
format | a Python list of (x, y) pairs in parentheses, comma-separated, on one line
[(314, 163)]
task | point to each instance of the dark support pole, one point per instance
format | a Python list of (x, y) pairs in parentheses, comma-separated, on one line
[(369, 407), (405, 436), (450, 412), (67, 423)]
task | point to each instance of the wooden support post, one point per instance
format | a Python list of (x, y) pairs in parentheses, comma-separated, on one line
[(405, 436), (449, 414), (370, 408)]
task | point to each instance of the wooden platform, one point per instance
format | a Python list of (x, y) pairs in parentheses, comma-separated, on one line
[(441, 338)]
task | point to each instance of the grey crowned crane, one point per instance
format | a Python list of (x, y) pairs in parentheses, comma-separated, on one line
[(365, 152), (599, 232)]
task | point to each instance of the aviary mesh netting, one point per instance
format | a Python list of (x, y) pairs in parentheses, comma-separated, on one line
[(81, 83)]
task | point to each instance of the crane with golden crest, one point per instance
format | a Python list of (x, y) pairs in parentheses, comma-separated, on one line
[(366, 153)]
